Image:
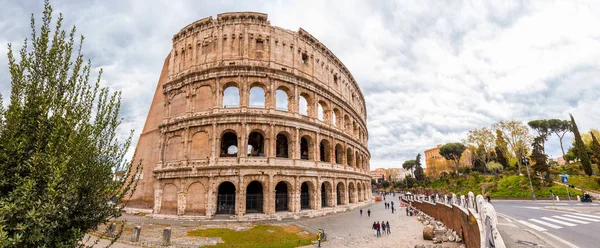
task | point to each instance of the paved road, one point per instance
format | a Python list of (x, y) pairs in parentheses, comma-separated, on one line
[(576, 225)]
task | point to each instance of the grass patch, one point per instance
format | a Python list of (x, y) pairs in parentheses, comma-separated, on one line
[(258, 236), (507, 186)]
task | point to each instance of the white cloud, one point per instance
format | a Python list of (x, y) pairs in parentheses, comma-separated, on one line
[(429, 70)]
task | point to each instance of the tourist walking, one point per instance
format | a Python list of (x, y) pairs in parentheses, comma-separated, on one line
[(406, 211), (392, 209), (369, 213), (387, 225), (361, 212), (383, 226), (378, 229), (375, 228), (320, 236)]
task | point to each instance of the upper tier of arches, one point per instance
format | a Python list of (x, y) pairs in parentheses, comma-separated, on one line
[(227, 95), (248, 39)]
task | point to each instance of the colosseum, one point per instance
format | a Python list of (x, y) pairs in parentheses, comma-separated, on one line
[(252, 120)]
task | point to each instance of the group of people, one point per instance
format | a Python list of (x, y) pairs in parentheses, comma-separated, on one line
[(385, 225)]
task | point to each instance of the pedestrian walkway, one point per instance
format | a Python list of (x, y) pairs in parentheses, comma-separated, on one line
[(542, 224), (351, 230)]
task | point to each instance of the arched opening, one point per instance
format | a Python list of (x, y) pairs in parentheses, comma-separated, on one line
[(355, 128), (336, 115), (347, 124), (254, 197), (303, 105), (351, 191), (257, 97), (339, 154), (281, 146), (281, 197), (357, 159), (231, 97), (256, 145), (322, 111), (305, 145), (195, 203), (341, 193), (226, 198), (349, 157), (229, 147), (326, 200), (304, 196), (324, 151), (282, 100), (169, 199)]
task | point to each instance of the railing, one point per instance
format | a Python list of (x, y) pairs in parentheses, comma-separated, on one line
[(484, 213)]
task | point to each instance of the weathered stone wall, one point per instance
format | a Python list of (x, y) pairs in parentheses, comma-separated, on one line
[(186, 144), (456, 218)]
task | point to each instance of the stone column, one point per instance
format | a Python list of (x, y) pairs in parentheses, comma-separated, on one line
[(296, 194), (157, 197), (181, 202), (240, 195), (271, 192), (243, 141)]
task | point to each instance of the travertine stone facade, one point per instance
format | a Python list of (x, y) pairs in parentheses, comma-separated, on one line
[(252, 118)]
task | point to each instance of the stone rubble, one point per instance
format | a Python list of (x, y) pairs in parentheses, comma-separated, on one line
[(436, 230)]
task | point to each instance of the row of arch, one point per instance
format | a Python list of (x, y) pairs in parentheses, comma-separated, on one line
[(255, 198), (284, 100), (305, 147)]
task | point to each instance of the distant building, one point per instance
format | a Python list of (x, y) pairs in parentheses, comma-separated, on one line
[(378, 174), (436, 164), (396, 174), (560, 161)]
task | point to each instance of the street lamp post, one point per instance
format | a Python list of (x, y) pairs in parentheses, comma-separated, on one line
[(526, 162)]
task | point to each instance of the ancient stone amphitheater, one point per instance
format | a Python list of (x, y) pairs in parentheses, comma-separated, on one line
[(252, 120)]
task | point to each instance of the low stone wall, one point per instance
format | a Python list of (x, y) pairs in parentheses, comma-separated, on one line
[(473, 219), (454, 217)]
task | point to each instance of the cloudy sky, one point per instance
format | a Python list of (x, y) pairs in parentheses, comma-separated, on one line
[(430, 70)]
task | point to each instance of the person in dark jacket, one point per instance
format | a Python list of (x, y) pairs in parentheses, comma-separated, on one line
[(383, 226), (375, 228), (369, 212), (387, 226)]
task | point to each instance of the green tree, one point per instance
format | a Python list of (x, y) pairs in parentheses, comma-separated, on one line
[(542, 127), (595, 150), (479, 160), (453, 152), (419, 173), (494, 167), (538, 156), (501, 150), (560, 128), (58, 145), (581, 149), (517, 137), (482, 141), (385, 184), (409, 165)]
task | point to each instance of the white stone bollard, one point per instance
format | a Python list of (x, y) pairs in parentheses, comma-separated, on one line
[(471, 200), (557, 199), (454, 200)]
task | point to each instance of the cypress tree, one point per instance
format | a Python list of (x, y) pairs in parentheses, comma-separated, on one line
[(501, 149), (580, 148), (596, 150)]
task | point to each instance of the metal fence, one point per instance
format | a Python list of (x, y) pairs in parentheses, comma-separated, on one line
[(254, 203), (226, 204), (281, 202), (304, 200)]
